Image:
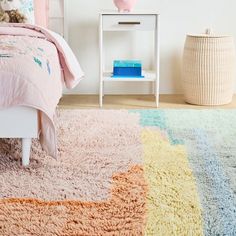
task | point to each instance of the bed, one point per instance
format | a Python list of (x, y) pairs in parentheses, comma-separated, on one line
[(35, 63)]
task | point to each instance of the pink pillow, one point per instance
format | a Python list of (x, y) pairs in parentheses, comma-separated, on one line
[(41, 8)]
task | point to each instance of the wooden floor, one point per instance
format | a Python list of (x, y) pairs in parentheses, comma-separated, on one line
[(130, 102)]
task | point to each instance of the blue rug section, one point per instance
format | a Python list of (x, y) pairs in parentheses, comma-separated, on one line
[(154, 118), (217, 197)]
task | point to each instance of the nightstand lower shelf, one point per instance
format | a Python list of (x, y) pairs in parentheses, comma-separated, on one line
[(149, 77)]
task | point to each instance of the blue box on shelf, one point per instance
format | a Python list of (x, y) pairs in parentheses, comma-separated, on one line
[(127, 69)]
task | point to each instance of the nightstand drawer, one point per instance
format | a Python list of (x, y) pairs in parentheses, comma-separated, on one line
[(129, 22)]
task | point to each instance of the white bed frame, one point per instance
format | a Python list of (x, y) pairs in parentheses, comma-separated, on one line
[(22, 122)]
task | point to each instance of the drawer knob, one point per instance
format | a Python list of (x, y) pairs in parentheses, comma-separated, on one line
[(129, 23)]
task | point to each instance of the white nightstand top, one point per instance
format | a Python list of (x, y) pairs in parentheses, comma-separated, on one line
[(136, 12)]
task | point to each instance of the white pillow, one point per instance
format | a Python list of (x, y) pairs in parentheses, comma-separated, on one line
[(17, 11)]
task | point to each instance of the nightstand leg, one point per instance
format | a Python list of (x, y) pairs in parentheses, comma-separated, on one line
[(157, 93), (157, 49), (101, 94)]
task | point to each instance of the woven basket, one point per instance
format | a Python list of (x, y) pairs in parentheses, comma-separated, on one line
[(209, 69)]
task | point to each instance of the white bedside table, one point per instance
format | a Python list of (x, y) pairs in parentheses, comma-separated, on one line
[(134, 21)]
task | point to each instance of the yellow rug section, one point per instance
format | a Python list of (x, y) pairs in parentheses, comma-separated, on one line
[(173, 203)]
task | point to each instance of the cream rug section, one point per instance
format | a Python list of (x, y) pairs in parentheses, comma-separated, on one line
[(93, 146)]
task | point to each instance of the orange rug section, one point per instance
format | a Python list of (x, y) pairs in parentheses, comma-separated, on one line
[(123, 214)]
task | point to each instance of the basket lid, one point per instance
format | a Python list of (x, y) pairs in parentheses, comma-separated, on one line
[(209, 34)]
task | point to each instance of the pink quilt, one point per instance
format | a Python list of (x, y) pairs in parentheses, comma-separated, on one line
[(34, 64)]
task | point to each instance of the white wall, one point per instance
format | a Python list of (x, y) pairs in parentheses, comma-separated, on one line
[(177, 19)]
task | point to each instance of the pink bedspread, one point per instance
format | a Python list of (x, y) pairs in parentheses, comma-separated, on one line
[(34, 64)]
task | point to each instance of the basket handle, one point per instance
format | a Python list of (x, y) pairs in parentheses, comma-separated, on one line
[(209, 31)]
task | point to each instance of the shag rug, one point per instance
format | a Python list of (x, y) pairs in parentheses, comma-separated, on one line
[(147, 172)]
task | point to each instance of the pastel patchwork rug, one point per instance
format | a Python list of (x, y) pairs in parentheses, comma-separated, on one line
[(149, 172)]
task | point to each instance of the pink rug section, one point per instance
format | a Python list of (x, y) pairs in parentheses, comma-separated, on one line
[(93, 146)]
